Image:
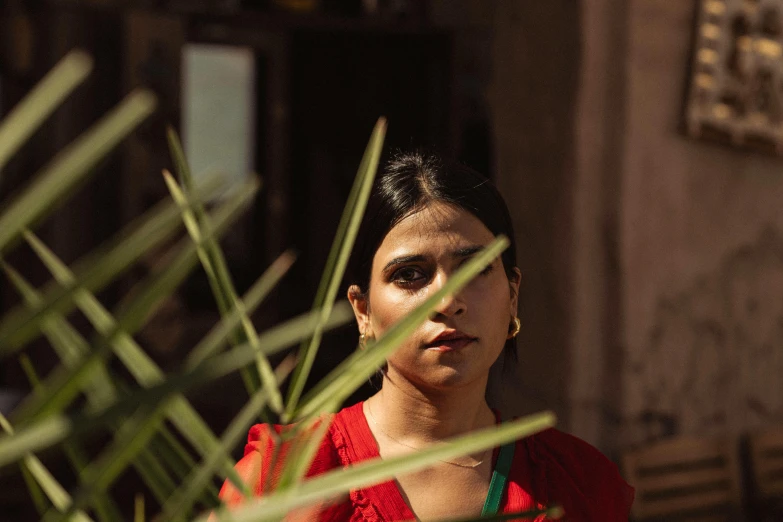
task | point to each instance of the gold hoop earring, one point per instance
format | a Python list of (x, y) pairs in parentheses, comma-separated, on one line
[(514, 328), (362, 341)]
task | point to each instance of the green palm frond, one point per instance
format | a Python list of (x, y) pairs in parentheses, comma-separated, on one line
[(26, 117), (54, 491), (219, 278), (154, 428), (73, 165), (94, 272), (328, 394), (338, 258), (197, 225), (331, 484), (65, 384)]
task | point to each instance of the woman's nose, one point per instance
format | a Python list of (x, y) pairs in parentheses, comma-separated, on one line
[(450, 305)]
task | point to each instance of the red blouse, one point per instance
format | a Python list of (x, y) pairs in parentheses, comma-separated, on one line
[(550, 467)]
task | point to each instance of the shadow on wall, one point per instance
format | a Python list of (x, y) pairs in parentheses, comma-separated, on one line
[(714, 358)]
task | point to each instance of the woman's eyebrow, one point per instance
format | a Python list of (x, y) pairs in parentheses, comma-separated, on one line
[(459, 253), (403, 259), (467, 251)]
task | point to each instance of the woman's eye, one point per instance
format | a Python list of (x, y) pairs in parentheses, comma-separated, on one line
[(407, 275), (487, 270)]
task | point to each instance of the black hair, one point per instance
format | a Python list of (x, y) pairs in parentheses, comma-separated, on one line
[(407, 184)]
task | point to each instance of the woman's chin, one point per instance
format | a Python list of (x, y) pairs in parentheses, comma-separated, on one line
[(451, 376)]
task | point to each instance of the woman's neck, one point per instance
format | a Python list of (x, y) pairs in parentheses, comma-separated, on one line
[(418, 417)]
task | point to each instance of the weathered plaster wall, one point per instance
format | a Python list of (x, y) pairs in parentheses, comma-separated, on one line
[(595, 348), (701, 235), (653, 299), (536, 55)]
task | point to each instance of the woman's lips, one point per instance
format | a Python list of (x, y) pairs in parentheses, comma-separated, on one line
[(449, 345)]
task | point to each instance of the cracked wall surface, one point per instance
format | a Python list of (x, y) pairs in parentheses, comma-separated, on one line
[(701, 242), (713, 359)]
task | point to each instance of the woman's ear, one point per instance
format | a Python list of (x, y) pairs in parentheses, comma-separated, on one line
[(360, 307), (513, 283)]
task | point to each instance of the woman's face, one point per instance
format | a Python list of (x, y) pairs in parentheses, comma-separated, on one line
[(467, 333)]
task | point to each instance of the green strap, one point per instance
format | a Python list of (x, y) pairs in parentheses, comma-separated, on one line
[(499, 478)]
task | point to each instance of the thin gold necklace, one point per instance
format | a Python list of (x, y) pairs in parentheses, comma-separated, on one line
[(375, 423)]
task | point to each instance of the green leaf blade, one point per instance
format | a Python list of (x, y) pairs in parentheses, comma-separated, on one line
[(41, 102), (53, 490), (184, 498), (351, 373), (217, 272), (338, 258), (250, 301), (74, 164), (67, 383), (95, 270), (70, 347), (366, 473), (54, 428)]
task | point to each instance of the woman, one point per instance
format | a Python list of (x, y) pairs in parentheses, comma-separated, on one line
[(425, 218)]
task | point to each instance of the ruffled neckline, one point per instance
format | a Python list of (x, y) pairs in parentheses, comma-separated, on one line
[(383, 499)]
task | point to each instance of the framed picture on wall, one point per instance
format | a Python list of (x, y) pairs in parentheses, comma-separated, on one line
[(735, 91)]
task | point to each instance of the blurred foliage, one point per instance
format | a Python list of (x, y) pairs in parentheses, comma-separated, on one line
[(152, 426)]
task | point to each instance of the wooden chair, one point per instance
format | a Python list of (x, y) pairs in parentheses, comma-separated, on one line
[(765, 454), (686, 479)]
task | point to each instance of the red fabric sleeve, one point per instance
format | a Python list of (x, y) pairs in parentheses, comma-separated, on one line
[(579, 478), (264, 446)]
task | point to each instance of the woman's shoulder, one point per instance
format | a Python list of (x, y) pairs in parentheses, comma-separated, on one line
[(564, 449), (265, 438), (577, 476), (266, 453)]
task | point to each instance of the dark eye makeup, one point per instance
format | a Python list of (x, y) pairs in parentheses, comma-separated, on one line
[(408, 275), (414, 275)]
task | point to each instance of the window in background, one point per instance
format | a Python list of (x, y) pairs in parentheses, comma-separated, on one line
[(218, 111)]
